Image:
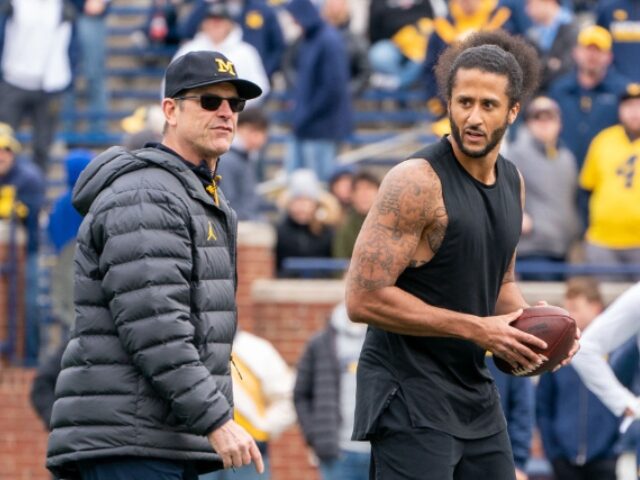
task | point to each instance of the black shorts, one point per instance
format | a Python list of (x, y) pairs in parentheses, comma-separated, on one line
[(402, 452)]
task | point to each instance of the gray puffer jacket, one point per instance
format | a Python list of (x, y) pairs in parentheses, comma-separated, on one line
[(146, 372)]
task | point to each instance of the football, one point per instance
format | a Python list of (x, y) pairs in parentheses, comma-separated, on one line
[(551, 324)]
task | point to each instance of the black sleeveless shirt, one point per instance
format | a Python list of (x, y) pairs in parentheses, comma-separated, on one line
[(444, 381)]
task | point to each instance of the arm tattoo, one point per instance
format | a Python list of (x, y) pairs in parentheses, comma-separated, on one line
[(393, 228), (435, 235)]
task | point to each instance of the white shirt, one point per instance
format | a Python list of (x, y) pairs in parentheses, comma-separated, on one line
[(36, 46), (244, 56), (619, 322)]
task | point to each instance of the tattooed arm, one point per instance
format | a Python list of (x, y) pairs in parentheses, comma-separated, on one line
[(407, 210)]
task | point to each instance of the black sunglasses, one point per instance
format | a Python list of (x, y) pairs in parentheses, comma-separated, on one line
[(212, 102)]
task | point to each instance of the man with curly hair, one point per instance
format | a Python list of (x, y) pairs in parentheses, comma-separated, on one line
[(432, 274)]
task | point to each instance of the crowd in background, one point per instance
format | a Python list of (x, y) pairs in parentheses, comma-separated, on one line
[(577, 144)]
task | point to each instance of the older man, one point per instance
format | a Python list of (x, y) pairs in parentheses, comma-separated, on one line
[(145, 389)]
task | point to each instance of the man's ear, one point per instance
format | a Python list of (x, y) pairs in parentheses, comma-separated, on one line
[(513, 113), (169, 107)]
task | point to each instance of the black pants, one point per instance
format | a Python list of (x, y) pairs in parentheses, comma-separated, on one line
[(136, 468), (604, 469), (40, 108), (402, 452)]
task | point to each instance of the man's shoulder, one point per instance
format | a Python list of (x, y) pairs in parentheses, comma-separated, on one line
[(614, 135)]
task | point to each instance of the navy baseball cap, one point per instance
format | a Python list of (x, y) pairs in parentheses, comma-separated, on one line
[(197, 69)]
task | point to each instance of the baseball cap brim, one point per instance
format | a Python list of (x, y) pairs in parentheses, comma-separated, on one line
[(245, 88)]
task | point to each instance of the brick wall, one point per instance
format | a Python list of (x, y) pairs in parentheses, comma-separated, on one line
[(23, 439)]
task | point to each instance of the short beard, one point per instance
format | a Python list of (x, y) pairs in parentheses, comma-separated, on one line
[(494, 140)]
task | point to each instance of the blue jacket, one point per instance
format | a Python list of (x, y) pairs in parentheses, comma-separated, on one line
[(322, 103), (27, 184), (586, 112), (622, 19), (65, 220), (573, 422), (516, 398), (260, 28)]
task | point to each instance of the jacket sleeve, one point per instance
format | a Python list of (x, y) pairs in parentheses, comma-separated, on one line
[(520, 418), (545, 415), (303, 392), (608, 331), (146, 262)]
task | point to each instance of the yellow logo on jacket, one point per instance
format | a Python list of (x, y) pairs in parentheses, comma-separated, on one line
[(226, 67), (254, 20), (211, 234)]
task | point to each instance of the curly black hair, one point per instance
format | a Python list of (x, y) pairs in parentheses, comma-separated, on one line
[(493, 52)]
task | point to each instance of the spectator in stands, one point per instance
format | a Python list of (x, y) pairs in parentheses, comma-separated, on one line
[(92, 39), (322, 111), (610, 174), (364, 189), (260, 28), (161, 26), (301, 233), (336, 13), (465, 17), (237, 167), (262, 399), (398, 33), (37, 52), (22, 190), (550, 222), (219, 32), (578, 432), (553, 32), (622, 19), (588, 97), (341, 184), (324, 396), (517, 400)]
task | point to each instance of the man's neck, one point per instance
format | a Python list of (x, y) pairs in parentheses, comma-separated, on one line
[(552, 13), (482, 168), (189, 154)]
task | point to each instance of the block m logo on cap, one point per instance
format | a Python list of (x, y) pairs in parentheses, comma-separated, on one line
[(225, 67)]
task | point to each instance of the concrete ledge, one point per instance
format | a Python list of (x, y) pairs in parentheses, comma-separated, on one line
[(256, 234), (298, 291), (332, 291)]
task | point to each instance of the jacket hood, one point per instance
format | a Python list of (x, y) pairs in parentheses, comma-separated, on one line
[(305, 13), (117, 161)]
